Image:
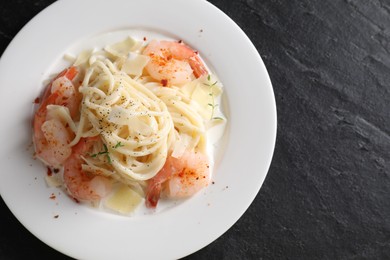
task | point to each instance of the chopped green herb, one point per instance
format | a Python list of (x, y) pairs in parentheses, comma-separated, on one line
[(105, 152), (119, 144), (108, 158), (211, 94)]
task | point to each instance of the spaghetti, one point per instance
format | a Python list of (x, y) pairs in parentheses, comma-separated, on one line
[(122, 126)]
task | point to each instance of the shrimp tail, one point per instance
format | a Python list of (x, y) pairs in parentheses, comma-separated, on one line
[(197, 66), (153, 194), (70, 73), (155, 185)]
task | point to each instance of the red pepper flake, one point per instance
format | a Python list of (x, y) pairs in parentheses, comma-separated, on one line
[(52, 196), (49, 173), (56, 170), (180, 41), (145, 39), (164, 82), (36, 100), (56, 216), (76, 200)]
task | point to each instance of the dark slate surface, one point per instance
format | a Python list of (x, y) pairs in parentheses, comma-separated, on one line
[(327, 194)]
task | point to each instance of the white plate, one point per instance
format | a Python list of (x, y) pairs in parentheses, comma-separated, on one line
[(83, 232)]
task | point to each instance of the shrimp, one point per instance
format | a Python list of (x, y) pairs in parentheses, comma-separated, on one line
[(179, 178), (51, 137), (173, 63), (81, 185)]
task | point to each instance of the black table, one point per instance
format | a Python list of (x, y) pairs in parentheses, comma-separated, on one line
[(327, 194)]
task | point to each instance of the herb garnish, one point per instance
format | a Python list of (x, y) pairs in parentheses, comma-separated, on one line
[(119, 144), (105, 152), (213, 105)]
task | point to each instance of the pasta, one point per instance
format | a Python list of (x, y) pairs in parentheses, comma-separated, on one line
[(133, 118)]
